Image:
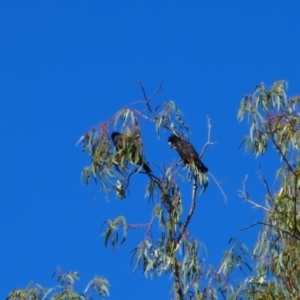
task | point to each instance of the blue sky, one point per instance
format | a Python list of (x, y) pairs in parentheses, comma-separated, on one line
[(68, 65)]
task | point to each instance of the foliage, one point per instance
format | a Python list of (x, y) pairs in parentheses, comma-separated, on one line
[(64, 290), (270, 271), (275, 121), (176, 251)]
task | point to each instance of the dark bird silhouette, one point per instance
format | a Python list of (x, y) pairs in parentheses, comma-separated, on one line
[(120, 142), (187, 152)]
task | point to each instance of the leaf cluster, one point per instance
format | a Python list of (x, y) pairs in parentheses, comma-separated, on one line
[(64, 290), (274, 121), (174, 251)]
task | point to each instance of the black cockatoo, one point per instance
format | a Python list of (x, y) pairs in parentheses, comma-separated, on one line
[(187, 152), (120, 142)]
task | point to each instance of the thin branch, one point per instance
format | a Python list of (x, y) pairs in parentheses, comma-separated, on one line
[(244, 195), (156, 92), (209, 142), (291, 170), (142, 114), (287, 284), (149, 108), (274, 226), (143, 225), (219, 186), (151, 97), (263, 179), (137, 226), (295, 204), (257, 205), (191, 212), (128, 177), (278, 148), (282, 155)]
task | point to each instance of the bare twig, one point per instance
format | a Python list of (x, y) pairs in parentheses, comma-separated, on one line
[(263, 179), (219, 186), (244, 195), (142, 114), (273, 226), (143, 225), (151, 97), (149, 108), (209, 142)]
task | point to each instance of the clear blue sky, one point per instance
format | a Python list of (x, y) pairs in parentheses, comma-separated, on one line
[(68, 65)]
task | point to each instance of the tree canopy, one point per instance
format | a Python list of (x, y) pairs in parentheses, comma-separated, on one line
[(116, 149)]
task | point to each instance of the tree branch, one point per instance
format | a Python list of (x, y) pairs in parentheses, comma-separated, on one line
[(178, 287), (151, 97), (209, 142), (191, 212), (274, 226), (263, 179), (292, 171), (244, 195), (278, 148), (219, 186)]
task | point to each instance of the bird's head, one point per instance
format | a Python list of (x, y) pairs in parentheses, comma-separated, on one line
[(173, 140), (114, 135)]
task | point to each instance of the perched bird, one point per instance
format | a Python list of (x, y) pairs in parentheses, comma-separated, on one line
[(187, 152), (120, 142)]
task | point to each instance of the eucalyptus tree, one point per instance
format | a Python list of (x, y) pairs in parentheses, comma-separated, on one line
[(116, 147), (274, 122), (117, 157)]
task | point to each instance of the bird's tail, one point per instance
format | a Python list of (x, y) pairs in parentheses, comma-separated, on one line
[(146, 168), (201, 167), (144, 165)]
